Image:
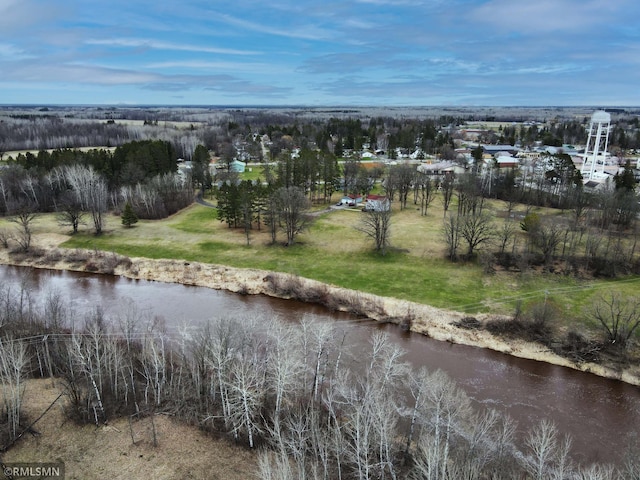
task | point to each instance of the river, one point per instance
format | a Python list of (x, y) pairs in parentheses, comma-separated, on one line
[(598, 413)]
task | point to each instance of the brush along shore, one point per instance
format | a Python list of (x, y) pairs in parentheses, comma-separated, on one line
[(439, 324)]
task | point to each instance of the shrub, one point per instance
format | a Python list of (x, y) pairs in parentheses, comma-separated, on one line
[(468, 323)]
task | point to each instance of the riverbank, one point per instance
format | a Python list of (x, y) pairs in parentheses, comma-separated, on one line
[(436, 323)]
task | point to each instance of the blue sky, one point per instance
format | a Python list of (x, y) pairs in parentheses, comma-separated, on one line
[(321, 52)]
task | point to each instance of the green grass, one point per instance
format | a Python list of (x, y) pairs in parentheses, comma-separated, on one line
[(333, 251), (253, 172), (203, 221)]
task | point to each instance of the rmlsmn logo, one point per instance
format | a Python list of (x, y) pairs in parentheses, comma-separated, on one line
[(33, 470)]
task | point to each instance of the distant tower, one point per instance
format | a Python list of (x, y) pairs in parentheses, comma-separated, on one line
[(596, 150)]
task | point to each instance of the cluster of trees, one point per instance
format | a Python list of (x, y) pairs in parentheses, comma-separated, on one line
[(598, 236), (128, 164), (293, 391), (156, 197), (75, 183), (314, 171), (283, 200), (339, 135), (43, 131), (247, 204)]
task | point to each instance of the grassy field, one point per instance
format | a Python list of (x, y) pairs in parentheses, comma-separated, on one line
[(333, 251)]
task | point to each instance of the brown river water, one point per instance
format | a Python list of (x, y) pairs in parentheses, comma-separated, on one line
[(600, 414)]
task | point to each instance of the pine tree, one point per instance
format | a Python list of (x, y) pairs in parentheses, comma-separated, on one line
[(128, 216), (625, 180)]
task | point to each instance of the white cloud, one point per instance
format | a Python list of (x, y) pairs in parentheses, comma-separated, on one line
[(16, 15), (251, 67), (159, 45), (9, 52), (545, 16), (307, 32)]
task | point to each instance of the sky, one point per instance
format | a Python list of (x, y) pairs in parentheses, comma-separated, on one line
[(321, 52)]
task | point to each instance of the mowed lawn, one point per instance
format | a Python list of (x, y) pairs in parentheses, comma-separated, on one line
[(332, 250)]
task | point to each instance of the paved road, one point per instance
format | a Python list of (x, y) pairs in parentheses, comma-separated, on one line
[(203, 202)]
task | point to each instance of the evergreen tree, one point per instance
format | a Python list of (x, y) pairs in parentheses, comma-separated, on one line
[(128, 216), (201, 175), (625, 180)]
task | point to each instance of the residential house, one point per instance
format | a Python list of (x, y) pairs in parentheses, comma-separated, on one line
[(377, 203), (352, 200)]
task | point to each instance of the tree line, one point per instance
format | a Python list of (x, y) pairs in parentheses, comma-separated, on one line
[(128, 164), (76, 184), (293, 391)]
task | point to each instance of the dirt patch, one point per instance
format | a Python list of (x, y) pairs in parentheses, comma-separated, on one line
[(91, 452), (434, 322)]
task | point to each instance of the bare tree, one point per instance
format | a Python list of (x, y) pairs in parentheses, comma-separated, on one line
[(619, 317), (13, 365), (4, 194), (350, 171), (547, 238), (91, 191), (70, 211), (548, 455), (376, 223), (400, 179), (447, 185), (23, 218), (274, 466), (469, 193), (446, 407), (425, 190), (285, 366), (293, 206), (476, 229), (600, 472), (580, 201), (5, 236), (451, 231), (153, 368), (504, 234), (246, 393)]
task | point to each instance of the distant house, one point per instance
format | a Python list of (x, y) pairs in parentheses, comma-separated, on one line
[(352, 200), (377, 203), (184, 168), (440, 169), (505, 160), (495, 149)]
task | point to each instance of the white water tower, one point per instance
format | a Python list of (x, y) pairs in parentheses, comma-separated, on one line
[(595, 153)]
